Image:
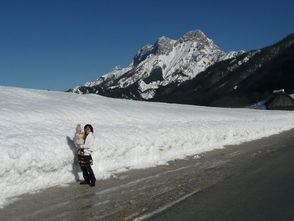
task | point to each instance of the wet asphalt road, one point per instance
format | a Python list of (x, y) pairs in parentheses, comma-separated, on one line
[(252, 181), (262, 191)]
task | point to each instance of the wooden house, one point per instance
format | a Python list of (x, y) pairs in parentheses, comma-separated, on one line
[(280, 100)]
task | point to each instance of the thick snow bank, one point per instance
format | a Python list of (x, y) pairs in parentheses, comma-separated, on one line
[(37, 127)]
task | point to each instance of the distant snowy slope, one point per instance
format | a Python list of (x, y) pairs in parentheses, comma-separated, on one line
[(37, 127)]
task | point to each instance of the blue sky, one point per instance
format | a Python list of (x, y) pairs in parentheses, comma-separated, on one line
[(59, 44)]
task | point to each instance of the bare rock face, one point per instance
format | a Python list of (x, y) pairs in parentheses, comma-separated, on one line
[(142, 54), (163, 45), (196, 35)]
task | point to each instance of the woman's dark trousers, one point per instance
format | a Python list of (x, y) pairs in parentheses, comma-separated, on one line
[(88, 174)]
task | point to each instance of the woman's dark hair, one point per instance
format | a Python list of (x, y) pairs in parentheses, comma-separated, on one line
[(89, 126)]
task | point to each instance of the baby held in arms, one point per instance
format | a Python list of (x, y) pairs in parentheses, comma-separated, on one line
[(79, 136)]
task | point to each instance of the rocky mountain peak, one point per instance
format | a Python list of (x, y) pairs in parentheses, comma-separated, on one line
[(142, 54), (163, 45), (166, 62), (196, 35)]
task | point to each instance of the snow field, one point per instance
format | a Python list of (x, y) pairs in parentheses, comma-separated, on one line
[(37, 128)]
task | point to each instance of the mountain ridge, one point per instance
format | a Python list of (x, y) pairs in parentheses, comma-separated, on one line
[(193, 70), (166, 61), (240, 81)]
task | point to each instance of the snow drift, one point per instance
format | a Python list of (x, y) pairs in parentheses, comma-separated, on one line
[(37, 128)]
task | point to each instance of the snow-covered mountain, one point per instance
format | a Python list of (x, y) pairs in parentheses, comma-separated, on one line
[(166, 62), (240, 81)]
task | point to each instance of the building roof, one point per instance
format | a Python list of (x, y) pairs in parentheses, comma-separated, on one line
[(272, 101)]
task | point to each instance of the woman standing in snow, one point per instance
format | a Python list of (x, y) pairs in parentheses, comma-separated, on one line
[(85, 159)]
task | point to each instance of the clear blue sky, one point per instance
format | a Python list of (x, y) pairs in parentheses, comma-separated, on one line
[(59, 44)]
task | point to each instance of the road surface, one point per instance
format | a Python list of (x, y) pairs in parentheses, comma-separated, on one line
[(263, 190)]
